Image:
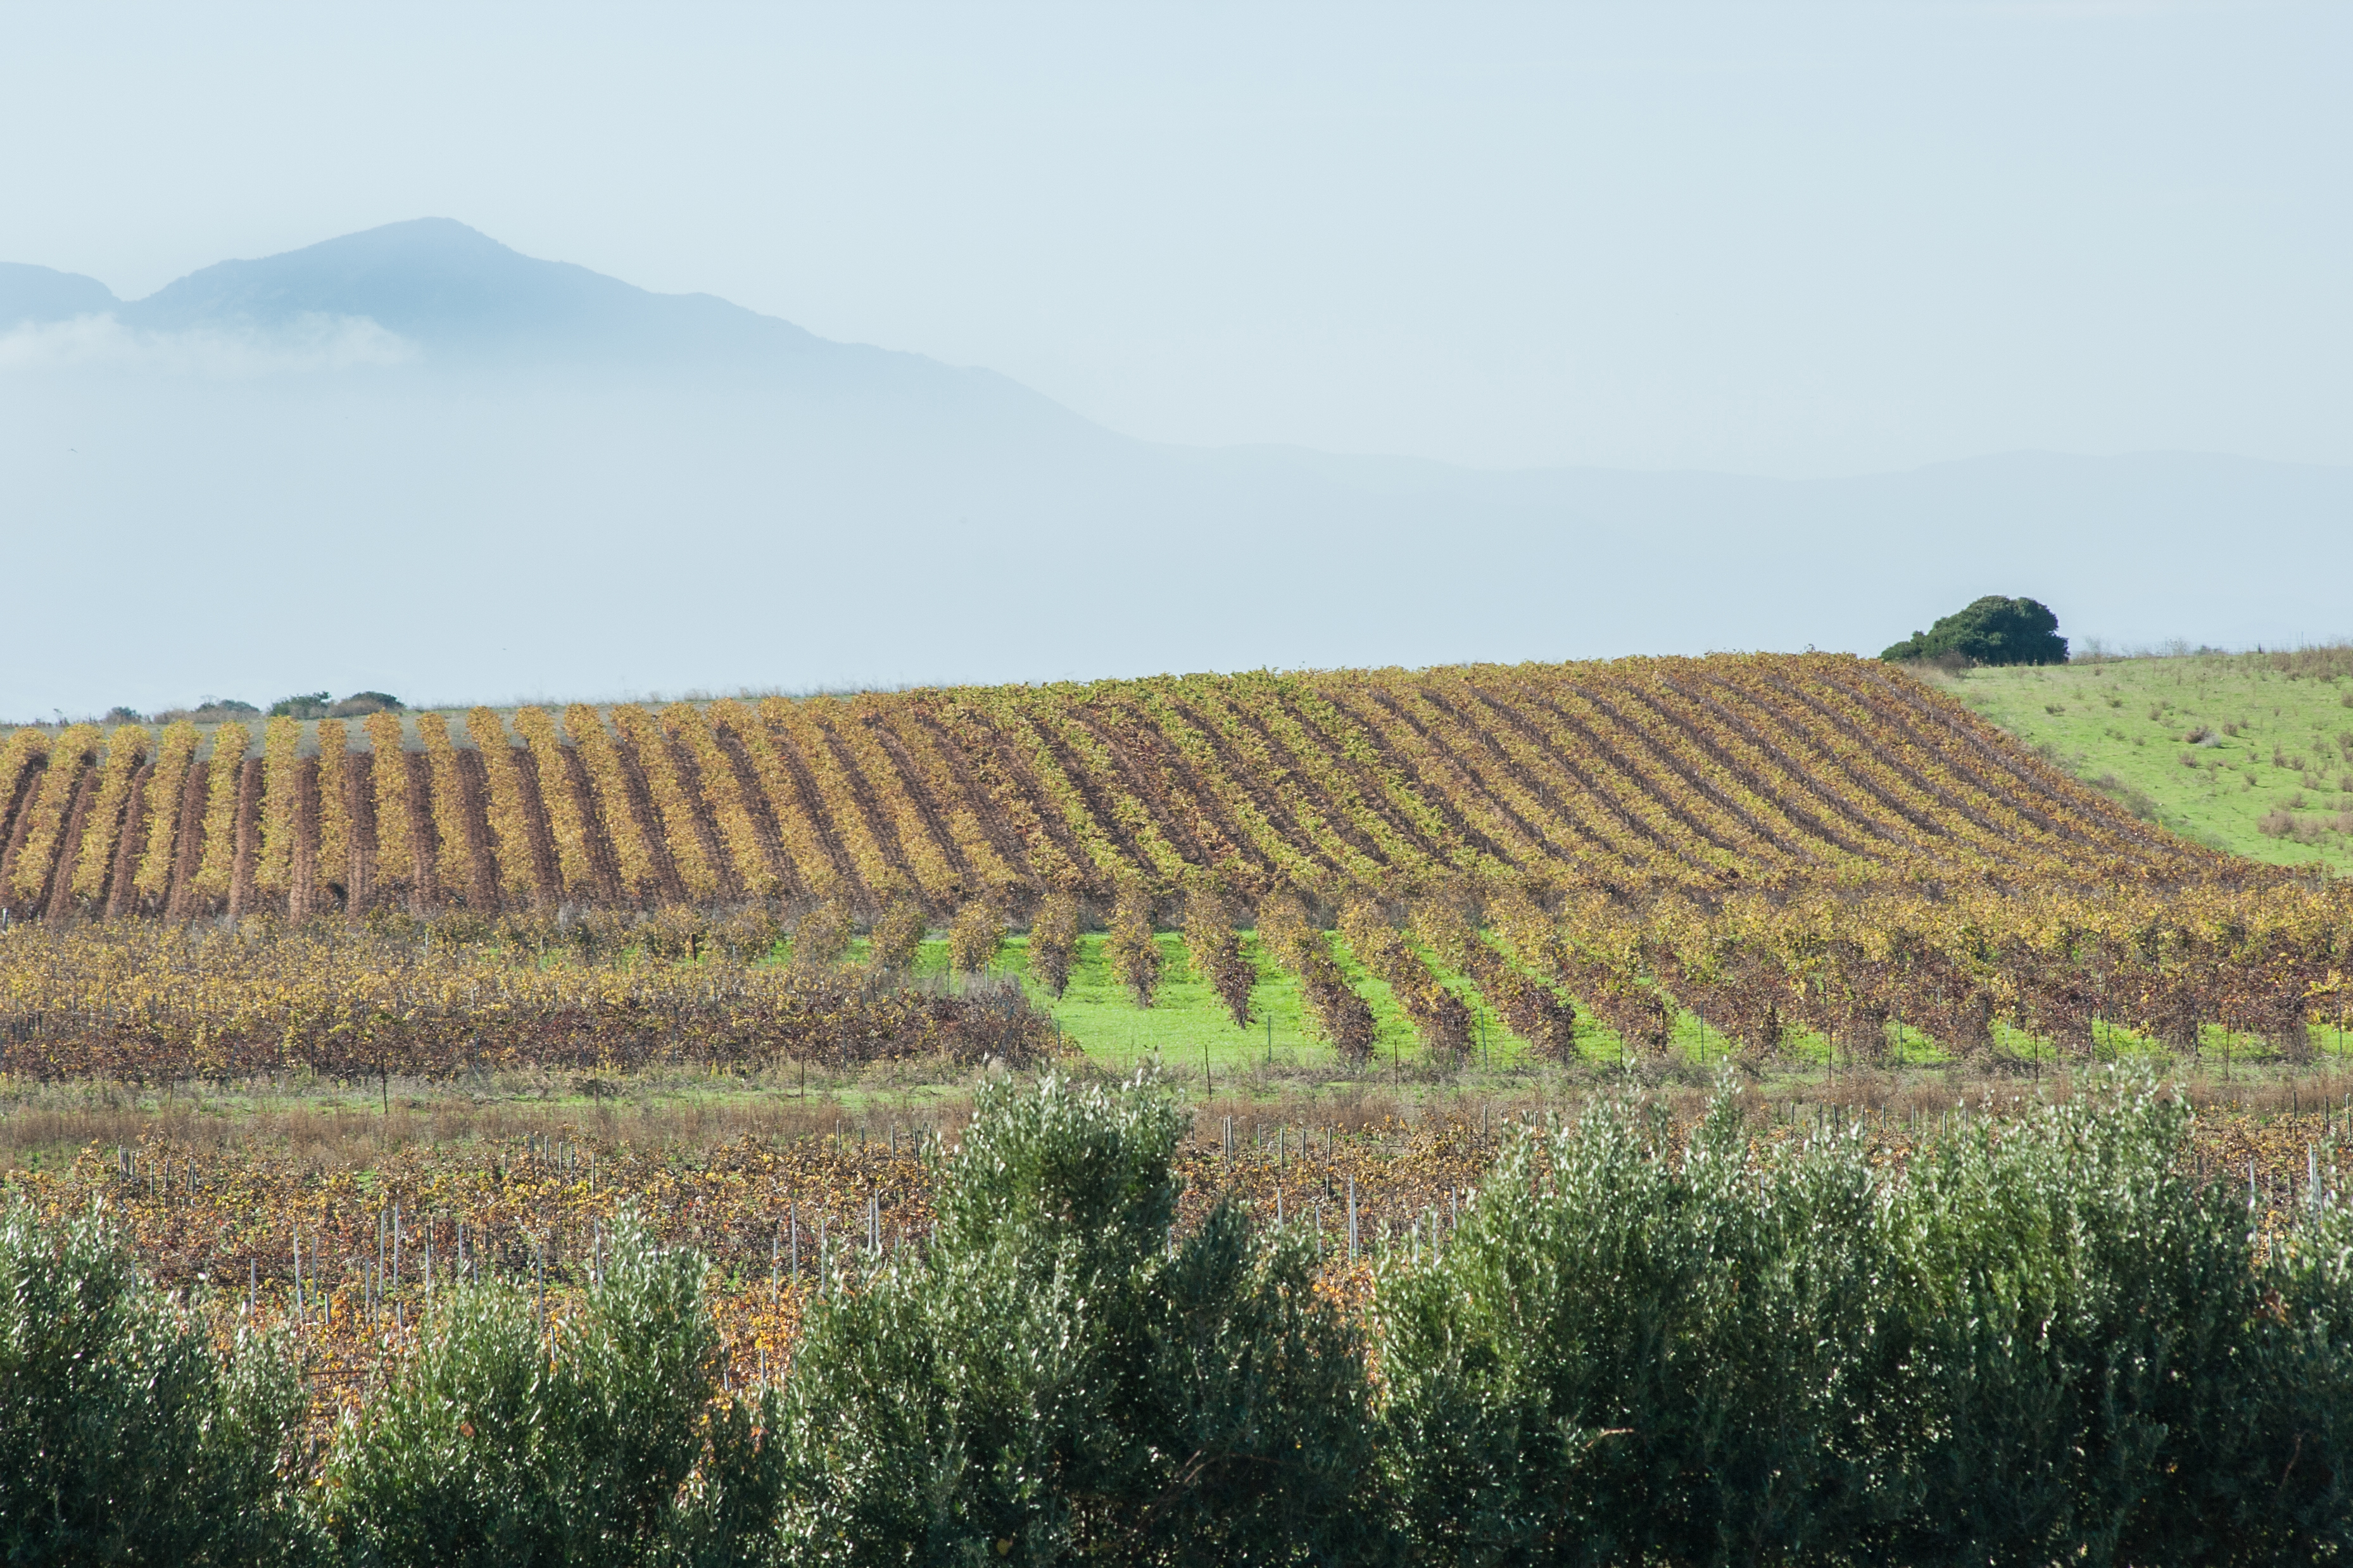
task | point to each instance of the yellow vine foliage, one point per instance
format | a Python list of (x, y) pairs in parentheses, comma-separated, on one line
[(1129, 947), (454, 865), (975, 936), (26, 747), (335, 852), (397, 841), (173, 757), (1213, 949), (822, 936), (282, 765), (609, 783), (804, 841), (940, 785), (651, 746), (856, 724), (126, 749), (1439, 1016), (1053, 937), (148, 1000), (67, 760), (802, 726), (896, 937), (610, 791), (1333, 1008), (510, 822), (724, 790), (226, 771), (566, 822)]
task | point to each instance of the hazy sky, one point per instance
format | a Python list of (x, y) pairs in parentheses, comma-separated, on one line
[(1773, 238)]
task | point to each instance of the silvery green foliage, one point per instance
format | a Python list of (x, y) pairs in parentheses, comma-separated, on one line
[(2109, 1367), (1052, 1384), (499, 1444), (1631, 1352), (2046, 1340), (124, 1437)]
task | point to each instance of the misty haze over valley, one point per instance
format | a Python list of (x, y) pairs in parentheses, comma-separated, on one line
[(412, 458)]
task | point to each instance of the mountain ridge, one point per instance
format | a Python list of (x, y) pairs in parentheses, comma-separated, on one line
[(668, 492)]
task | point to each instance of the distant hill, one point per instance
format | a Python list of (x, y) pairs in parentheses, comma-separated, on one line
[(442, 284), (40, 294), (471, 303), (562, 482)]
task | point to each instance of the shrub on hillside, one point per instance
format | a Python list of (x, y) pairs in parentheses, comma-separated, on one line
[(211, 711), (302, 705), (360, 704), (124, 1437), (1059, 1380), (1992, 630)]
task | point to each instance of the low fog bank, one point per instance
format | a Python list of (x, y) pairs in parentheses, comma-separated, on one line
[(251, 528)]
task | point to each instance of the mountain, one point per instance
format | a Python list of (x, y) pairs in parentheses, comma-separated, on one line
[(565, 485), (472, 305), (41, 294), (459, 292)]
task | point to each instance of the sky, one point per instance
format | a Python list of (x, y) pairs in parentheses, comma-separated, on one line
[(1766, 238)]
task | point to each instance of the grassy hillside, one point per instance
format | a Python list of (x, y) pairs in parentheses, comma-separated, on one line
[(2249, 752)]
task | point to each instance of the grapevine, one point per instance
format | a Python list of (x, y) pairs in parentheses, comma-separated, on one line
[(1053, 936), (509, 819), (175, 757), (126, 750), (223, 778), (458, 869), (895, 939), (974, 937), (1129, 947), (399, 842), (610, 786), (70, 758), (333, 854), (724, 790), (1438, 1014), (1336, 1011), (1214, 950), (281, 771), (680, 833), (568, 822)]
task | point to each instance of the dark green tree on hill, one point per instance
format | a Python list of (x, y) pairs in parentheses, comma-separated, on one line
[(1992, 630)]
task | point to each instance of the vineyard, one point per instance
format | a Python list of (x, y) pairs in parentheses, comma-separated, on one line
[(1767, 849), (1700, 775)]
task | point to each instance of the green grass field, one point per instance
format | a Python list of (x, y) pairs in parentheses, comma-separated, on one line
[(1188, 1029), (2228, 749)]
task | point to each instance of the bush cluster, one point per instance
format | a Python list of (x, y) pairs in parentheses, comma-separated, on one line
[(2046, 1340), (1992, 630)]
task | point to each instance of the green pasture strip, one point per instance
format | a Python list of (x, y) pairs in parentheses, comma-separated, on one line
[(2129, 720), (1186, 1026)]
